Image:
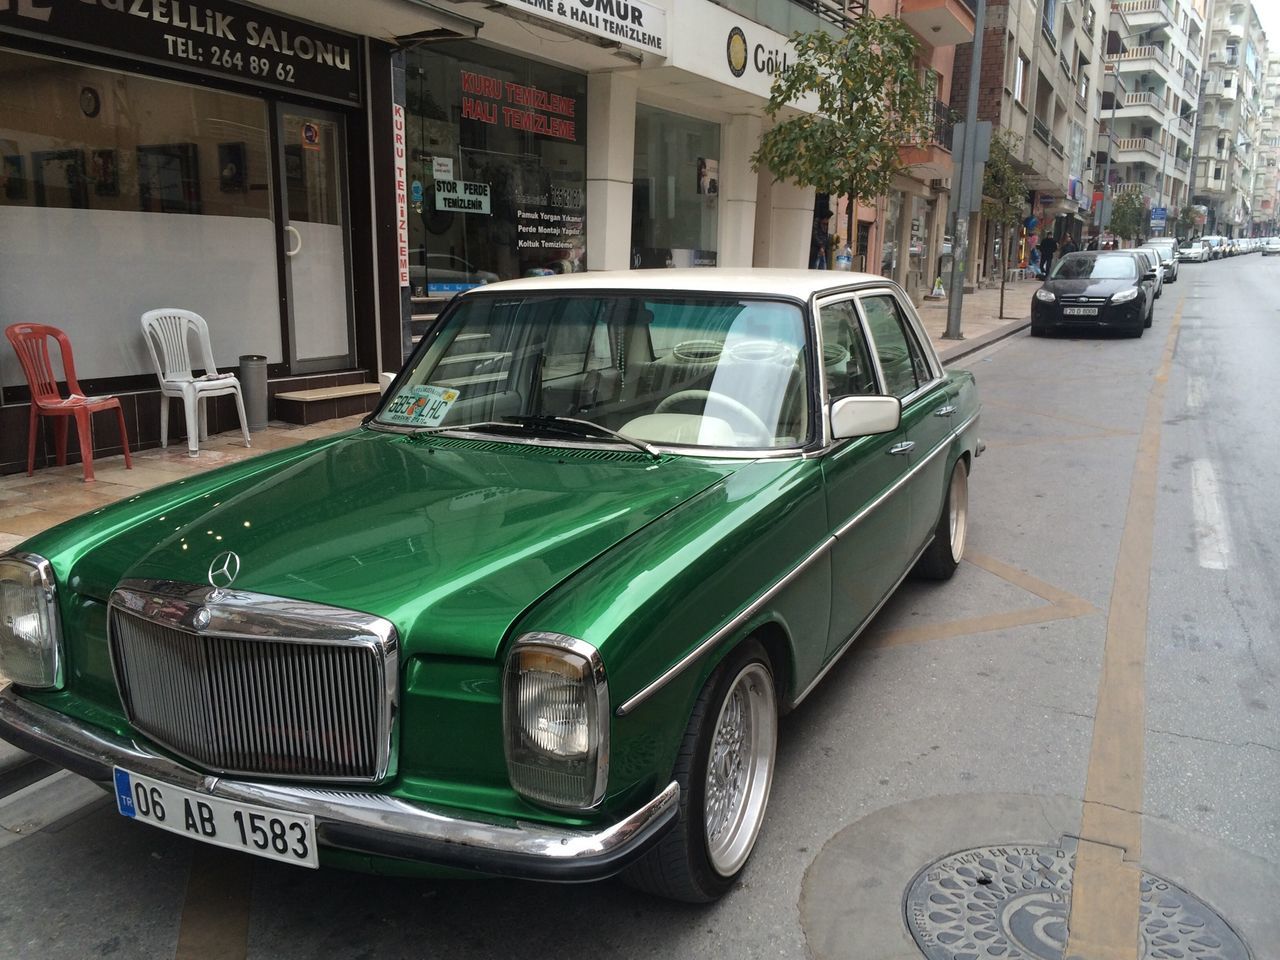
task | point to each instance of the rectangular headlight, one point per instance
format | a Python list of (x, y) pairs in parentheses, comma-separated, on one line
[(556, 715), (30, 635)]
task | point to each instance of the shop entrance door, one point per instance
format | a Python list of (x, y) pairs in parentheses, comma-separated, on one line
[(315, 239)]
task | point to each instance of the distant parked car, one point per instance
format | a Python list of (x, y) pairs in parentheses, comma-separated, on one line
[(1193, 251), (1167, 250), (1270, 245), (1107, 290), (1153, 262)]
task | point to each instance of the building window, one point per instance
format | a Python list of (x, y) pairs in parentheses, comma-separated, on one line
[(497, 162), (1020, 79), (676, 190), (171, 185)]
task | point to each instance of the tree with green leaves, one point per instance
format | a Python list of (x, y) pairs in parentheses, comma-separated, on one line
[(1004, 196), (1187, 221), (1128, 216), (870, 98)]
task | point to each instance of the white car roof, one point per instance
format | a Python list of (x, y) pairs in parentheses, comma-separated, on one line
[(801, 284)]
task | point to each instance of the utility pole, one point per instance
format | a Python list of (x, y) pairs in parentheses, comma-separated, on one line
[(1108, 195), (968, 171)]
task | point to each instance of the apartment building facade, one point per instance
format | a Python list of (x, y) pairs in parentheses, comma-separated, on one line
[(1266, 185), (1149, 100), (1230, 105), (1040, 73)]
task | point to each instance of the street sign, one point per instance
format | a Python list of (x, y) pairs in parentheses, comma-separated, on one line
[(1159, 215)]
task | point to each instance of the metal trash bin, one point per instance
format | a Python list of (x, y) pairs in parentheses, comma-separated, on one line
[(253, 387)]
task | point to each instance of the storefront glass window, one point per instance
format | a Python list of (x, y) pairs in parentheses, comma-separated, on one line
[(497, 168), (889, 235), (676, 191), (121, 193)]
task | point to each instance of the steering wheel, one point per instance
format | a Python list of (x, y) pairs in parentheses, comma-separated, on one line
[(747, 420)]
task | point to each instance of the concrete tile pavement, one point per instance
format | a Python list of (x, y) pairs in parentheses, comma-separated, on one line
[(29, 505)]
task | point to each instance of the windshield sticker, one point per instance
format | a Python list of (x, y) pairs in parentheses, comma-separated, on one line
[(420, 406)]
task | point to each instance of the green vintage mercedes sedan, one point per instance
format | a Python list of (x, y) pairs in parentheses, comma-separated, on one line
[(538, 615)]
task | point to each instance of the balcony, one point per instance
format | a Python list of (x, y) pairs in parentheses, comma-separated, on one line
[(1147, 190), (1143, 60), (941, 23), (1143, 14), (1041, 129), (1144, 105), (1180, 165), (842, 13), (1136, 150), (932, 160)]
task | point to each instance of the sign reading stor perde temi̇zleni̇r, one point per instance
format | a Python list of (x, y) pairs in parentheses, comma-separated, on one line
[(218, 37)]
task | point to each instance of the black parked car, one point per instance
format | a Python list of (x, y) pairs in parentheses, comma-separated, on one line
[(1112, 290)]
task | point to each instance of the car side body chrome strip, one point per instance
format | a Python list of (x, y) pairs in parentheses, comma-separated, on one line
[(760, 602)]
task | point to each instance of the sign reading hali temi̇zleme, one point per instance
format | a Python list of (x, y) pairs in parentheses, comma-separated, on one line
[(632, 23)]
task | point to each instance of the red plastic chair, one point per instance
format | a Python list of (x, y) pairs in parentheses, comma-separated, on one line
[(31, 343)]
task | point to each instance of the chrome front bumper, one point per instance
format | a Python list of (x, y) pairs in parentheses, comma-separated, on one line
[(367, 823)]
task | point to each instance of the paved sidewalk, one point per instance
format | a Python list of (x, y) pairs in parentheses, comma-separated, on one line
[(29, 505)]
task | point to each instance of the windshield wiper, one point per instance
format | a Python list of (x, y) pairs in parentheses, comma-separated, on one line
[(572, 427)]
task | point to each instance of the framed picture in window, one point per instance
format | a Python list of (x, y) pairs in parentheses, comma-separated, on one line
[(13, 174), (232, 172), (169, 178), (104, 168), (60, 178)]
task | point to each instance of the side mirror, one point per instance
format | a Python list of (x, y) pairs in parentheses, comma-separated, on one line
[(864, 416), (1149, 275)]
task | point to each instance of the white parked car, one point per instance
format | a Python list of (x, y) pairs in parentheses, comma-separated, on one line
[(1194, 251), (1270, 245)]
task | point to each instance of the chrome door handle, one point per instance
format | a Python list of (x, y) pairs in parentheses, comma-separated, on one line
[(906, 446), (946, 411)]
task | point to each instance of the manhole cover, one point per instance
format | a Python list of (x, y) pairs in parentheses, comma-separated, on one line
[(1013, 901)]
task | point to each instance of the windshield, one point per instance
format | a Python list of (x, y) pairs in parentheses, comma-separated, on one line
[(706, 371), (1089, 267)]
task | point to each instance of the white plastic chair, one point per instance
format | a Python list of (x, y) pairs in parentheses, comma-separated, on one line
[(168, 330)]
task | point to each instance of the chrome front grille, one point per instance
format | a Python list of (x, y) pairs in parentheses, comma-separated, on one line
[(252, 685)]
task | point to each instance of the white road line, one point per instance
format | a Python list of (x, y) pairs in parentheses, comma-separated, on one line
[(1195, 392), (1213, 543)]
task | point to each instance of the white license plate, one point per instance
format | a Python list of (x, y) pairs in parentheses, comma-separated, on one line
[(1080, 311), (241, 826)]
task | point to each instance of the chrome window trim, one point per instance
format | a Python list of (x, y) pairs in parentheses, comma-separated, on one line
[(243, 615), (49, 583), (588, 652), (647, 691), (914, 326)]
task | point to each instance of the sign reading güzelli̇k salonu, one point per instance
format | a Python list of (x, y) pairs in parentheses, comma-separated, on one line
[(632, 23), (221, 38)]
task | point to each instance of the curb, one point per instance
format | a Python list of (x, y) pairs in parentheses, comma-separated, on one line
[(966, 347)]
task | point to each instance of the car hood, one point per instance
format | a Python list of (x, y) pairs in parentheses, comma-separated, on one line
[(1087, 288), (449, 539)]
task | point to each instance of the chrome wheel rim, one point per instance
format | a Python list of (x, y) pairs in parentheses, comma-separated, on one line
[(740, 769), (958, 507)]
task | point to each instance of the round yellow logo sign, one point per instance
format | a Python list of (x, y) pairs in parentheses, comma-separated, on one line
[(736, 52)]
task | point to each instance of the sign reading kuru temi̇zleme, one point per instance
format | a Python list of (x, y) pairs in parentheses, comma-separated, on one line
[(218, 37), (632, 23)]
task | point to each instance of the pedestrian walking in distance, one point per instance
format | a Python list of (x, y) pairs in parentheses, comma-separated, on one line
[(1048, 247), (1068, 245)]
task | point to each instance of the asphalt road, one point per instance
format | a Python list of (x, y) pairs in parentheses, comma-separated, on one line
[(1101, 676)]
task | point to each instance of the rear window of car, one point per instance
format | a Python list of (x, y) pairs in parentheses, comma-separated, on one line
[(1088, 267)]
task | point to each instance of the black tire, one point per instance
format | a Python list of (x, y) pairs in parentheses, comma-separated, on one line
[(941, 558), (681, 866)]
